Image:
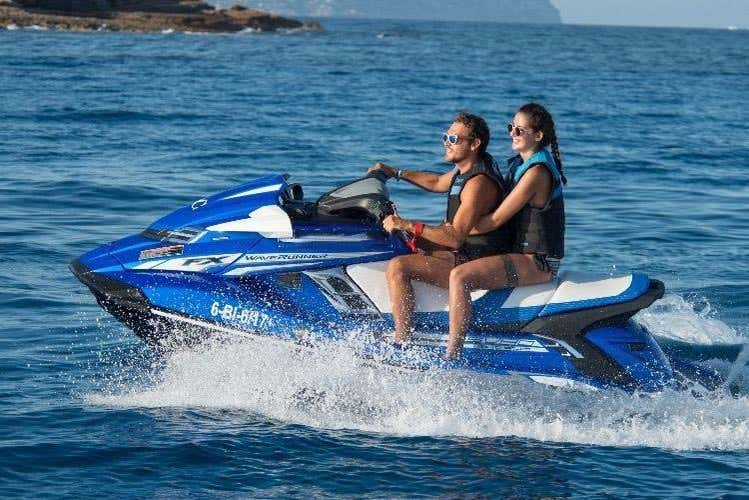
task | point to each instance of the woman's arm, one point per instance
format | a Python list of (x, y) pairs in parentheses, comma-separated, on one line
[(534, 184)]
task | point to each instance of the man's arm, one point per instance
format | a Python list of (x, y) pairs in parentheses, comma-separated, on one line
[(438, 183), (478, 196)]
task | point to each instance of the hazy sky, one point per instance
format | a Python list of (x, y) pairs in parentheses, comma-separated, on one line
[(697, 13)]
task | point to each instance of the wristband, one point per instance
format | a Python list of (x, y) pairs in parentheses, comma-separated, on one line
[(418, 229), (415, 235), (398, 174)]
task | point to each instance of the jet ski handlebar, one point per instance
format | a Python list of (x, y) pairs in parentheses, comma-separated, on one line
[(379, 175), (390, 210), (364, 198)]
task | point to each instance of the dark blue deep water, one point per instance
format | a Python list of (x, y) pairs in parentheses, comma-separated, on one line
[(101, 133)]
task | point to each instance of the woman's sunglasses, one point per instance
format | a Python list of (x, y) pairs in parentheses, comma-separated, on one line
[(518, 131), (453, 138)]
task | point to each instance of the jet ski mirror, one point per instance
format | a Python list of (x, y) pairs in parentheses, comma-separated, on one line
[(294, 192)]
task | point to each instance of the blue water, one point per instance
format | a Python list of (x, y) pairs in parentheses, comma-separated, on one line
[(101, 133)]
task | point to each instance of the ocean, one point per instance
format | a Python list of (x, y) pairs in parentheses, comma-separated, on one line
[(102, 133)]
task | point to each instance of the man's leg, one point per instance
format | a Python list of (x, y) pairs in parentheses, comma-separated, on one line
[(431, 268), (487, 273)]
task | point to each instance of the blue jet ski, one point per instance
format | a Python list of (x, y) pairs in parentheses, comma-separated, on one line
[(260, 260)]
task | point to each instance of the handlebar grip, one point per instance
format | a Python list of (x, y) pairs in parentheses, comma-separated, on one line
[(379, 175)]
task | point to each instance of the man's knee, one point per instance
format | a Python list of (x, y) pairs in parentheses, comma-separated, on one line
[(398, 267)]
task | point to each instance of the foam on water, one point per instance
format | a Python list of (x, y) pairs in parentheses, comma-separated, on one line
[(330, 387), (693, 323), (675, 318)]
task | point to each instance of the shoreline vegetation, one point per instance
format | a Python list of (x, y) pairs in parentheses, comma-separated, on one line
[(141, 16)]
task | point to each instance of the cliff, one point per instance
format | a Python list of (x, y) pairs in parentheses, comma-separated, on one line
[(140, 16), (510, 11)]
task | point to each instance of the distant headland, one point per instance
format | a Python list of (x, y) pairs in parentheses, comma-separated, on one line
[(503, 11), (141, 16)]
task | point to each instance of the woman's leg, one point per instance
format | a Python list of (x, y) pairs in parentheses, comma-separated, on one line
[(431, 268), (487, 273)]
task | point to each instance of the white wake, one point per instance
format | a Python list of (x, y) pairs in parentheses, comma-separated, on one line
[(331, 387)]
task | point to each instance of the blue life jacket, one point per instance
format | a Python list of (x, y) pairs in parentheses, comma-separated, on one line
[(496, 241), (539, 230)]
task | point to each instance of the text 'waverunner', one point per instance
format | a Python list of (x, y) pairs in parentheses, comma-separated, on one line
[(259, 260)]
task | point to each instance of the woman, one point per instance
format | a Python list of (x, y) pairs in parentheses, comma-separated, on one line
[(535, 207)]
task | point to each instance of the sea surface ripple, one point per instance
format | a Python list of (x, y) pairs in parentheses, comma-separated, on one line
[(102, 133)]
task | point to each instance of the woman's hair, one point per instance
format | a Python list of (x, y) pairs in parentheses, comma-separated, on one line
[(540, 119)]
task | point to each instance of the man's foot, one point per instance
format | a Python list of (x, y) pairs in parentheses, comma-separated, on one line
[(400, 346), (451, 355), (402, 338)]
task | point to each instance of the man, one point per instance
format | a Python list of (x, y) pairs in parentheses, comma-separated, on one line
[(475, 188)]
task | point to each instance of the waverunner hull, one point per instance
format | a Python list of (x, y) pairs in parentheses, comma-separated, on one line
[(168, 313), (258, 260)]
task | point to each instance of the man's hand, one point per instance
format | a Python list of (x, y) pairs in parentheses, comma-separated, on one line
[(386, 169), (393, 222)]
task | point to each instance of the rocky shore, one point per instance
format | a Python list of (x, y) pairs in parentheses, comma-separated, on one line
[(140, 16)]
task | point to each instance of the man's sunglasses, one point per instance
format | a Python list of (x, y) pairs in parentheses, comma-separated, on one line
[(518, 131), (454, 138)]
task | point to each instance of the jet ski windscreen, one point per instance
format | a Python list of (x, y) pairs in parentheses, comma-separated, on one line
[(362, 187), (363, 198)]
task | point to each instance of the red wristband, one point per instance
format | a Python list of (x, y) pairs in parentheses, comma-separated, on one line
[(418, 229)]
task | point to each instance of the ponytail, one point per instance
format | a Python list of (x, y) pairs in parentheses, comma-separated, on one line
[(557, 157), (541, 119)]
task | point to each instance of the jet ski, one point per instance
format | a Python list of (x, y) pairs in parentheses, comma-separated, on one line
[(260, 260)]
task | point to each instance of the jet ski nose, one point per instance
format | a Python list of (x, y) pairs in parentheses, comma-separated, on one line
[(79, 270), (92, 279), (100, 271), (108, 291), (97, 261)]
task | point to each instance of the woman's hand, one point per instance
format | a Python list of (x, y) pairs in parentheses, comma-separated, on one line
[(394, 223), (386, 169)]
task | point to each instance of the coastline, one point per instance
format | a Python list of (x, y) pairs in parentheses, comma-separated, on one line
[(172, 16)]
